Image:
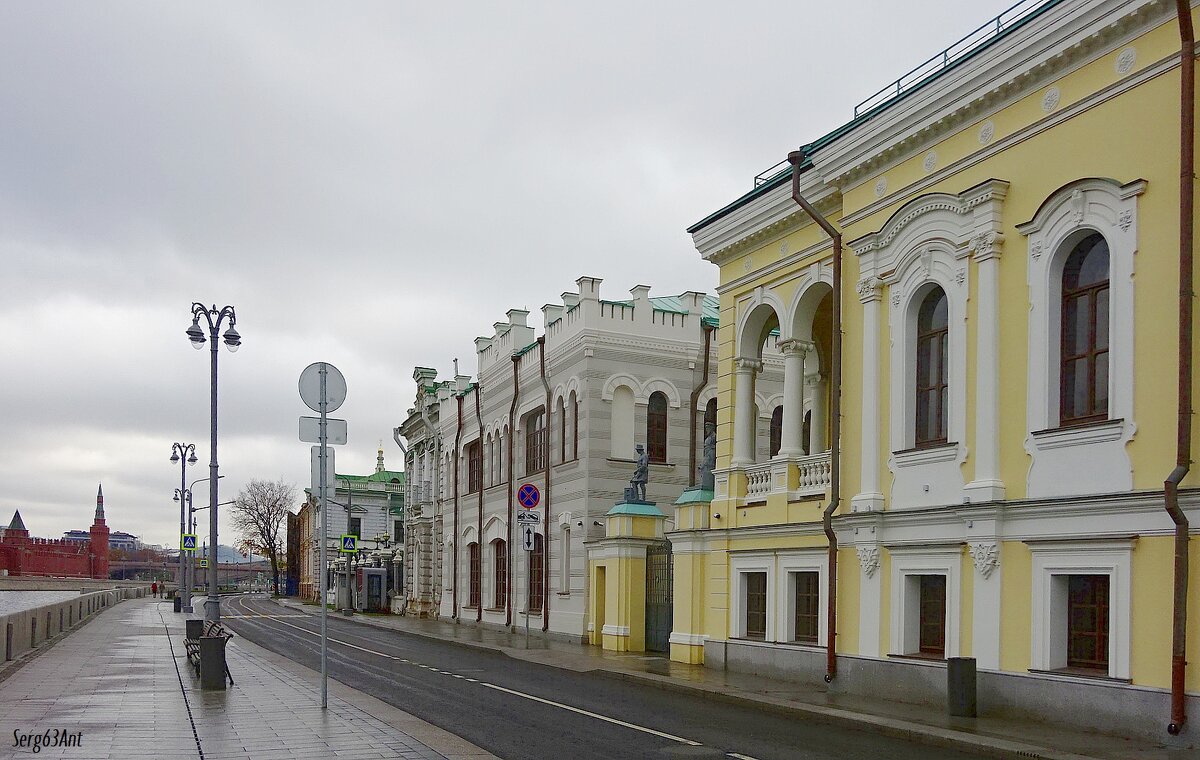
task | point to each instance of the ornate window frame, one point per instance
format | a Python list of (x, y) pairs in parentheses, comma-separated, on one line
[(1085, 458), (908, 564)]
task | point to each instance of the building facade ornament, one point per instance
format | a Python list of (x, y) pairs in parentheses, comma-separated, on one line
[(1125, 61), (880, 187), (868, 557), (870, 289), (987, 131), (986, 556), (1050, 99), (930, 162)]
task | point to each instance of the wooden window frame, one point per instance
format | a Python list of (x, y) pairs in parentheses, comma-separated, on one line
[(940, 337), (1100, 593), (657, 427), (801, 594), (500, 572), (537, 575), (474, 466), (932, 611), (535, 441), (756, 606), (1090, 353), (474, 570)]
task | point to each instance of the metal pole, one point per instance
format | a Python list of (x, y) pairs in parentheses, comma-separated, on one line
[(324, 539), (183, 497), (212, 607), (528, 577), (189, 568)]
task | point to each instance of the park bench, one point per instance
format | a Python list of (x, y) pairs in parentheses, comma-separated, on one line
[(206, 629)]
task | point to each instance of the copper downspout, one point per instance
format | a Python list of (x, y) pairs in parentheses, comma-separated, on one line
[(479, 530), (1183, 456), (454, 543), (546, 527), (835, 470), (692, 481), (512, 430)]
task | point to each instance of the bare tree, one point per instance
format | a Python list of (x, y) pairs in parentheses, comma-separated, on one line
[(259, 514)]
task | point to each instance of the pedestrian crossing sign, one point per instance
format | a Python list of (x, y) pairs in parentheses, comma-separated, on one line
[(187, 542), (203, 563), (349, 543)]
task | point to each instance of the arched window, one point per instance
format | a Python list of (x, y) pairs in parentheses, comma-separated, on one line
[(537, 569), (500, 565), (562, 431), (656, 427), (535, 442), (806, 433), (933, 336), (574, 426), (776, 430), (473, 594), (622, 423), (1084, 371)]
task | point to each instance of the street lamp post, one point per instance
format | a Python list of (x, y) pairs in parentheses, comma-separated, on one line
[(185, 454), (214, 317)]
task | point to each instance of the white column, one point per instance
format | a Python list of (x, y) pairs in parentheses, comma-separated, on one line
[(816, 423), (794, 352), (870, 498), (743, 411), (987, 485)]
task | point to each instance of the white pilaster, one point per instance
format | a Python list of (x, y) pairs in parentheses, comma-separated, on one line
[(870, 498), (870, 601), (987, 485), (743, 411), (986, 605)]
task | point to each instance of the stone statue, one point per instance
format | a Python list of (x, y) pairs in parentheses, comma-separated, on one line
[(637, 484), (710, 457)]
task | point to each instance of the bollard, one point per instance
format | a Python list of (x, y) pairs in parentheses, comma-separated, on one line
[(195, 628), (178, 604), (960, 687), (212, 663)]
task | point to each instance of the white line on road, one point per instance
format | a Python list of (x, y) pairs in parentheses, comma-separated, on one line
[(739, 757), (515, 693)]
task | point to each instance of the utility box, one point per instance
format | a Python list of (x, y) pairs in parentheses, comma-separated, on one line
[(960, 687)]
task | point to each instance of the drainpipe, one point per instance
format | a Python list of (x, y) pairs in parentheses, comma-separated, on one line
[(708, 330), (512, 431), (479, 529), (1183, 455), (396, 438), (835, 448), (546, 527), (454, 543)]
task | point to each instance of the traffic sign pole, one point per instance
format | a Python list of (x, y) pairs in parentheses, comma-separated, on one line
[(322, 431)]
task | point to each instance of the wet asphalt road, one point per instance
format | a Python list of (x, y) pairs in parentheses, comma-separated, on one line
[(521, 710)]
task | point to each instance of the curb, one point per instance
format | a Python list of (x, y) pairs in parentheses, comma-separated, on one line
[(934, 736)]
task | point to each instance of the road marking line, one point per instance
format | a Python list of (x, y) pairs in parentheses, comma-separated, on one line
[(531, 697), (590, 714), (739, 757)]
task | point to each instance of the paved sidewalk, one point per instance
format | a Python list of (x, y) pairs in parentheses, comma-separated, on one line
[(124, 682), (999, 737)]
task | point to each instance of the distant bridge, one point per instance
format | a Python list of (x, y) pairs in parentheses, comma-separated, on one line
[(168, 569)]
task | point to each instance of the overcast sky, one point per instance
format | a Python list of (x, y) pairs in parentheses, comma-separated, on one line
[(369, 184)]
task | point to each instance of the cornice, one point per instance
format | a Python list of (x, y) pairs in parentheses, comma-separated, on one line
[(786, 264), (1044, 49), (763, 218)]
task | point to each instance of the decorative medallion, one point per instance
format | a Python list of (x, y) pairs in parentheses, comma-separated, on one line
[(986, 556), (782, 247), (868, 557), (1035, 250), (880, 187), (748, 264), (1125, 61), (960, 276), (1125, 220), (930, 161), (987, 131), (895, 300), (1050, 99)]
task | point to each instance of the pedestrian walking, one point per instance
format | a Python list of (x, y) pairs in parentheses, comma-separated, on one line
[(154, 589)]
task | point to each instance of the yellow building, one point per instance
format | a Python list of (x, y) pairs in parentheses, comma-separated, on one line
[(1009, 314)]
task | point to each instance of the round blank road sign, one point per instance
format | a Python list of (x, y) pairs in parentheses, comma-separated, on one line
[(310, 387)]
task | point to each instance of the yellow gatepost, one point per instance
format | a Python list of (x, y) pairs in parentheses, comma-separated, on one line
[(690, 568), (617, 576)]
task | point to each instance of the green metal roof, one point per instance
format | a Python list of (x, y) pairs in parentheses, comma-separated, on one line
[(637, 510), (376, 477), (710, 307), (784, 176)]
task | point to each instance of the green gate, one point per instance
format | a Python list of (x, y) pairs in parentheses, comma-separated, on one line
[(658, 597)]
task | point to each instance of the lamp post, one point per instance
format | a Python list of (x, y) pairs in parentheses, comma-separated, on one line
[(184, 454), (213, 317)]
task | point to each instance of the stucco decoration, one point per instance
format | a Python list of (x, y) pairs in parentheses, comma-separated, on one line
[(930, 162), (1087, 459), (987, 131), (1050, 99), (880, 187), (986, 556), (868, 557), (1125, 60), (923, 245)]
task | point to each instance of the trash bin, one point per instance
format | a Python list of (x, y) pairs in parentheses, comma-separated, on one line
[(193, 628), (212, 663), (960, 687), (178, 603)]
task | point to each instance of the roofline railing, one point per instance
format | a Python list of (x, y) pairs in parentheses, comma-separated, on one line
[(943, 60)]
